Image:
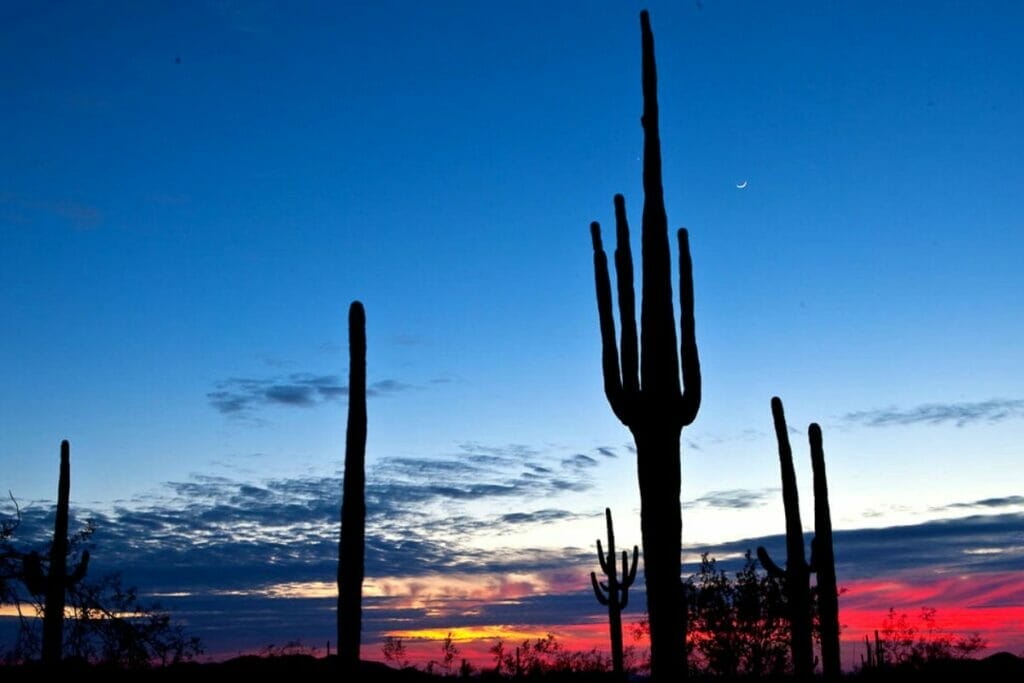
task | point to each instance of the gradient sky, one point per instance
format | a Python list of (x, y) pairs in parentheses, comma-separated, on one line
[(192, 193)]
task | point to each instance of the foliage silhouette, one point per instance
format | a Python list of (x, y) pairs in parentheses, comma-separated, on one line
[(614, 591), (351, 550), (109, 624), (545, 657), (646, 395), (394, 652), (738, 625), (911, 644), (824, 599)]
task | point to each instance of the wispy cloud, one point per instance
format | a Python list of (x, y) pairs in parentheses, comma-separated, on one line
[(976, 544), (733, 499), (228, 547), (1000, 502), (239, 396), (960, 414)]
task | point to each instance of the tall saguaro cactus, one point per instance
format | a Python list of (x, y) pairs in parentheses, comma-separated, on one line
[(797, 574), (614, 591), (645, 393), (823, 561), (55, 584), (351, 555)]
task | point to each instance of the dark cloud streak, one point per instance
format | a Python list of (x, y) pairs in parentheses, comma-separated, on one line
[(959, 414), (240, 396)]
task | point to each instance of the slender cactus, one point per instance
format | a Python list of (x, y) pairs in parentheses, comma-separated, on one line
[(823, 561), (646, 395), (614, 592), (351, 555), (797, 574), (56, 583)]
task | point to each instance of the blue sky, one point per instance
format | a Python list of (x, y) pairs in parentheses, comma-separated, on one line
[(191, 195)]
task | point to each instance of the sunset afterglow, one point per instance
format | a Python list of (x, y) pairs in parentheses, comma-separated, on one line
[(192, 196)]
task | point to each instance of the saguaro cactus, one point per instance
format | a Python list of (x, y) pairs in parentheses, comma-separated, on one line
[(823, 561), (796, 576), (645, 395), (614, 592), (351, 555), (55, 584)]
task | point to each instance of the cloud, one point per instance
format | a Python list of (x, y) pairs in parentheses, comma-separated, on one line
[(240, 396), (1001, 502), (607, 451), (975, 544), (960, 414), (448, 543), (733, 499), (579, 461)]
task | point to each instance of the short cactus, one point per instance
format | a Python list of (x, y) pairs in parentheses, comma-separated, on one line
[(614, 591)]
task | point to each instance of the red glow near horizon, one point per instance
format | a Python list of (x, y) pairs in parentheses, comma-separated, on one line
[(991, 605)]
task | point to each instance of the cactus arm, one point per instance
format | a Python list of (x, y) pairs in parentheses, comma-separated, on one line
[(632, 569), (609, 351), (597, 589), (690, 360), (769, 564), (601, 558), (611, 542), (627, 301), (79, 573)]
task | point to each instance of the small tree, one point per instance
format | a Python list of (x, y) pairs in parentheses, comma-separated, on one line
[(394, 652), (738, 626), (913, 643)]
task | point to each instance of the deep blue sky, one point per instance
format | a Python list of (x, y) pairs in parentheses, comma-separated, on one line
[(191, 195)]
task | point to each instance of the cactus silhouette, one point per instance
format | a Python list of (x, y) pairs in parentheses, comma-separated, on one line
[(614, 591), (797, 575), (646, 395), (823, 561), (351, 550), (55, 584)]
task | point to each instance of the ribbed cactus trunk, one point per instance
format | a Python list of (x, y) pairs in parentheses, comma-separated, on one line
[(797, 574), (645, 395), (823, 562), (351, 556), (53, 615), (614, 591)]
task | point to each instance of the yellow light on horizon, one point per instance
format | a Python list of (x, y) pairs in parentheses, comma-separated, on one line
[(462, 633)]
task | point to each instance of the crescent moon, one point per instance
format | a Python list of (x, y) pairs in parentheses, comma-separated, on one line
[(742, 185)]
